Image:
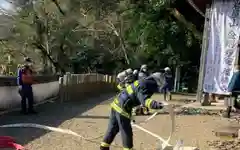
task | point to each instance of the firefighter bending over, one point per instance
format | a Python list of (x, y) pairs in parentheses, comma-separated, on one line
[(124, 78), (135, 94), (121, 80)]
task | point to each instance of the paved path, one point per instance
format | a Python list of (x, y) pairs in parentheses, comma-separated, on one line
[(90, 118)]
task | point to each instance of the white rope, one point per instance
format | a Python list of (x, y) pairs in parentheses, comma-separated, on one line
[(66, 131), (49, 128), (152, 134), (165, 143)]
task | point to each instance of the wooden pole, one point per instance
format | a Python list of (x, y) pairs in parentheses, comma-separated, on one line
[(203, 57), (177, 78)]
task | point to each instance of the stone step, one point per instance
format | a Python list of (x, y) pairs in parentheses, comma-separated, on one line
[(227, 132)]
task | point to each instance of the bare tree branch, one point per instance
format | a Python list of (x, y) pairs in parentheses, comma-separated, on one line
[(118, 34), (10, 50), (45, 53), (59, 7), (190, 26)]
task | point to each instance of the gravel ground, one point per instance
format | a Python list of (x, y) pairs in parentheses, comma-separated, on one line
[(90, 118), (225, 145)]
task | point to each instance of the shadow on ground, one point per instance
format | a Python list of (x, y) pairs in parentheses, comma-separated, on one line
[(93, 117), (50, 114)]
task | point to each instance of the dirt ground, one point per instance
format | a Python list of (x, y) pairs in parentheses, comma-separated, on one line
[(90, 118)]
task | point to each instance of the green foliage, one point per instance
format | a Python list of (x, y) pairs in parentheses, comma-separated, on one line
[(159, 35), (103, 35)]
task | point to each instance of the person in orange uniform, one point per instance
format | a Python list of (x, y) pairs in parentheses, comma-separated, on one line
[(25, 87)]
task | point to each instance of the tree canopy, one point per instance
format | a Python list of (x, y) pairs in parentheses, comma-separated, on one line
[(100, 35)]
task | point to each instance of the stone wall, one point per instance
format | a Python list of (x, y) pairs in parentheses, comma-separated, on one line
[(12, 81), (9, 97), (69, 87)]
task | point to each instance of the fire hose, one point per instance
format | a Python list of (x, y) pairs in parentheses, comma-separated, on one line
[(165, 143)]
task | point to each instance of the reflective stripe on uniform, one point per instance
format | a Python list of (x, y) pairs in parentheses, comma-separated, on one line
[(127, 149), (136, 83), (129, 90), (128, 87), (148, 102), (115, 103), (104, 144), (120, 87), (119, 109)]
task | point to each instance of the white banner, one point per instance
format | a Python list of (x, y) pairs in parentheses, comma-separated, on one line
[(222, 47)]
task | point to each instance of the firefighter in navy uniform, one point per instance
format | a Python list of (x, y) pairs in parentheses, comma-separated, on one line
[(121, 80), (129, 79), (135, 94), (143, 73), (125, 78), (167, 88)]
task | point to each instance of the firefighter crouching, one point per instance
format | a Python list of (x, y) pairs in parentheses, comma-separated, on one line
[(135, 94)]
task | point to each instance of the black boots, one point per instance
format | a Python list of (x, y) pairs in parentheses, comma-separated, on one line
[(104, 148)]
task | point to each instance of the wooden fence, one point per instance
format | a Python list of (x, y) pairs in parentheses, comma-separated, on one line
[(82, 86), (69, 87)]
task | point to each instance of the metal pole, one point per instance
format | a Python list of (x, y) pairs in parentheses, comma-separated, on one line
[(175, 81), (203, 55)]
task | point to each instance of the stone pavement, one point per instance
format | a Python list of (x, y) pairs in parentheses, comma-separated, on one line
[(90, 118), (51, 114)]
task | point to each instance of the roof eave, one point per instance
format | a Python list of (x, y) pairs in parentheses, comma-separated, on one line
[(196, 7)]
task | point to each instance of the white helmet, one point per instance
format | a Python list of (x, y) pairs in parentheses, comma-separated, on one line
[(135, 71), (144, 67), (167, 69), (129, 71), (121, 76)]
